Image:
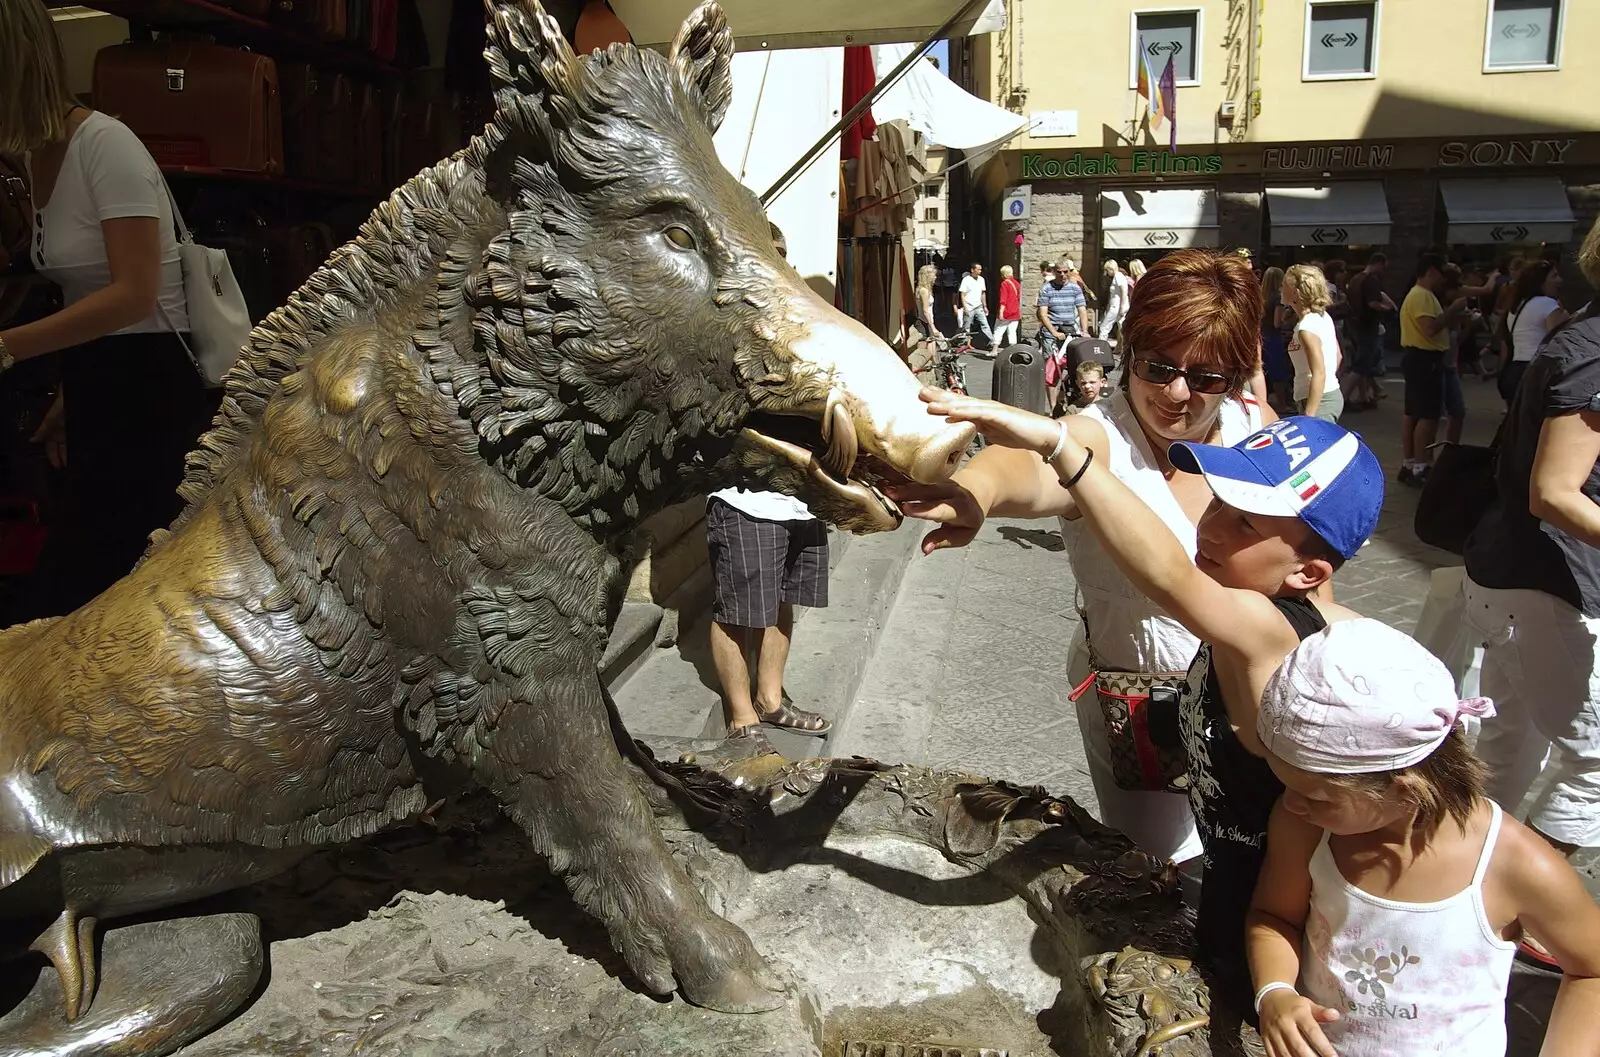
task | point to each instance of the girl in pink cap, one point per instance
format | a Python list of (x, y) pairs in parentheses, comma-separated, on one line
[(1393, 894)]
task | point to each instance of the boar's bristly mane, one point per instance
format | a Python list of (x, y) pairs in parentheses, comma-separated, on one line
[(484, 268)]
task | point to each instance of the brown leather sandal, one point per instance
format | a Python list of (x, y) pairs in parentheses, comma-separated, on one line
[(787, 717), (751, 732)]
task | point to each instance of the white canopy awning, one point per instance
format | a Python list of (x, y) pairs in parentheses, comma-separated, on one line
[(771, 24), (1335, 214), (1510, 211), (940, 109), (781, 99), (1158, 220)]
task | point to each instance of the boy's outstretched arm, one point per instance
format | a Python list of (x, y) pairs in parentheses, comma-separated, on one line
[(1135, 537)]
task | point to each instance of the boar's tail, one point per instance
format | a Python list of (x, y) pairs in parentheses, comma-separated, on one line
[(708, 807)]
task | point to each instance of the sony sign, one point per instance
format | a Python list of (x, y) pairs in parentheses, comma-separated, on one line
[(1494, 152)]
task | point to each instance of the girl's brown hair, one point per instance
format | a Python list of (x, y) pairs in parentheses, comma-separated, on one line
[(1448, 784), (34, 98), (1205, 302)]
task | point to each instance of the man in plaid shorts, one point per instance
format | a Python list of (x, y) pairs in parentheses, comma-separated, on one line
[(768, 555)]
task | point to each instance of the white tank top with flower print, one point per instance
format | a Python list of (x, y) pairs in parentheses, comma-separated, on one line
[(1406, 978)]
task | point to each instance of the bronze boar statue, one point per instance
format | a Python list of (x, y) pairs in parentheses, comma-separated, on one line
[(401, 543)]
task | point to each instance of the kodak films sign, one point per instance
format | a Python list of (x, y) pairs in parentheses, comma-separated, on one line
[(1140, 163)]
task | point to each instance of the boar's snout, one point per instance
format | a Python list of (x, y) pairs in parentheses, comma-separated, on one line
[(878, 392)]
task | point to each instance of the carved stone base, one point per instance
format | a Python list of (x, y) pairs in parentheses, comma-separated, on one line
[(902, 905)]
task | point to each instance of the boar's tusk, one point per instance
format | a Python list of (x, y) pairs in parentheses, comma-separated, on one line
[(839, 430)]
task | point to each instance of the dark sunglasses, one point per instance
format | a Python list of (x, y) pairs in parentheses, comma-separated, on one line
[(1207, 383)]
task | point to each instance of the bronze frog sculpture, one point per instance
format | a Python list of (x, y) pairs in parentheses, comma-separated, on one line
[(400, 550)]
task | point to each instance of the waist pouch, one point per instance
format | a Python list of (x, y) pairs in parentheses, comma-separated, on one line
[(1140, 714)]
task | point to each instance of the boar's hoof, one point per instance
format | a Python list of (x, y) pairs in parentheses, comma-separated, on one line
[(162, 985), (720, 969), (742, 990)]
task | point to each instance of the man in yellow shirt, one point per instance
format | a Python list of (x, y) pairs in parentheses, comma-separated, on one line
[(1424, 342)]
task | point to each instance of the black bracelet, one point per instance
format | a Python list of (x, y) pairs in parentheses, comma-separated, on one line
[(1075, 478)]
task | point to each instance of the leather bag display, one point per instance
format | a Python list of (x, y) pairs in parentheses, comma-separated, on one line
[(16, 216), (328, 19), (195, 104)]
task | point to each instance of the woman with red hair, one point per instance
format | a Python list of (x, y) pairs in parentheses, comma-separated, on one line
[(1191, 345)]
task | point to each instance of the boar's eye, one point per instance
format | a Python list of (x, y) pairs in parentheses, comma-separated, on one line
[(680, 237)]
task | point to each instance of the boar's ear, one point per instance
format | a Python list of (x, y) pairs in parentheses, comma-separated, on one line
[(527, 52), (703, 54)]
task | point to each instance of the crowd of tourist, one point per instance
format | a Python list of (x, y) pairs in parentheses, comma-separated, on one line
[(1367, 876)]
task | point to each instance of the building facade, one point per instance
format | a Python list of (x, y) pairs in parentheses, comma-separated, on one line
[(1305, 129), (933, 206)]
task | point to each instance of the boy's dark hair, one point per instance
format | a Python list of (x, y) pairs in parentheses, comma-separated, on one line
[(1448, 784), (1315, 547), (1378, 258), (1428, 262)]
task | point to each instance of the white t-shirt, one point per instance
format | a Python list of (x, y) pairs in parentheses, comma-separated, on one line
[(973, 292), (768, 506), (1320, 324), (107, 173), (1528, 328)]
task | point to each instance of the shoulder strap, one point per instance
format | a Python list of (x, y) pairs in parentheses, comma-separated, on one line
[(180, 230), (1488, 845), (1302, 615)]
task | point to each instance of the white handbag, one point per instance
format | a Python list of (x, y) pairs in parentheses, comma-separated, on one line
[(219, 319)]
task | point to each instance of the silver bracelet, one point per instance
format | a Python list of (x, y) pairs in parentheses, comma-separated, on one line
[(1060, 444), (7, 361), (1276, 985)]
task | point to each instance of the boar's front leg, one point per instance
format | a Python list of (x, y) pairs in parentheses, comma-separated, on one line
[(556, 771)]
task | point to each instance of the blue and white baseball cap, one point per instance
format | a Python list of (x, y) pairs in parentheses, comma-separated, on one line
[(1297, 467)]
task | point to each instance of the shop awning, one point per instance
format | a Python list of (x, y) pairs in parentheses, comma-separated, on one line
[(1335, 214), (1512, 211), (1158, 220), (940, 109), (773, 24), (781, 99)]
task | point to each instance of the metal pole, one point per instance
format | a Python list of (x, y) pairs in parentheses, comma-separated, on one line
[(856, 111)]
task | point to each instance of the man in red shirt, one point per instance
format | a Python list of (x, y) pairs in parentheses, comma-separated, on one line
[(1010, 309)]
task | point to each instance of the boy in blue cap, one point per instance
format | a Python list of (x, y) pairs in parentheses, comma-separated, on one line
[(1291, 503)]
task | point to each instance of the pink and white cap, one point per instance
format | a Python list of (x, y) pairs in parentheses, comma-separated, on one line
[(1360, 698)]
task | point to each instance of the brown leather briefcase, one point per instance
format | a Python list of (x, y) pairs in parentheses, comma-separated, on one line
[(371, 122), (253, 8), (320, 110), (327, 19), (194, 103)]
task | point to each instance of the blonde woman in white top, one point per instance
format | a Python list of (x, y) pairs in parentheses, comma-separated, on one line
[(1117, 293), (132, 402), (1314, 346)]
